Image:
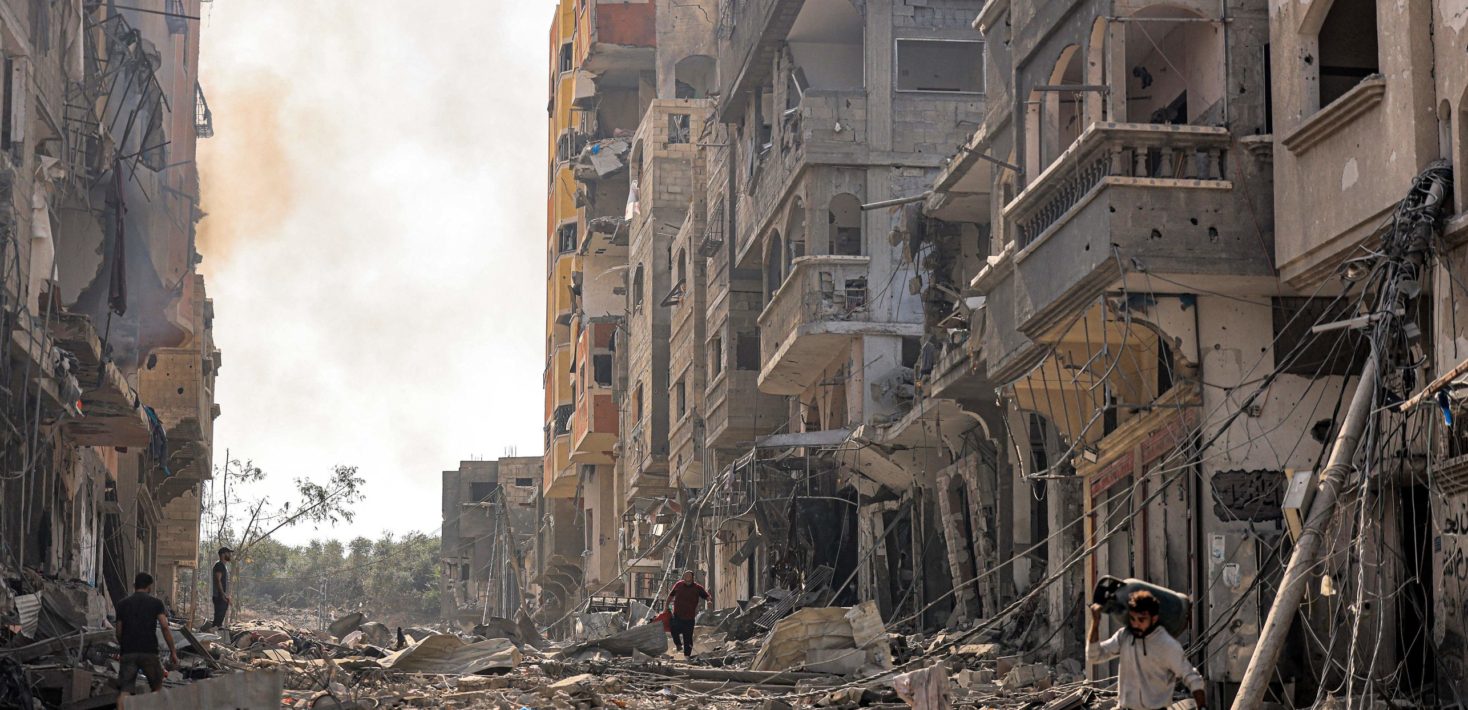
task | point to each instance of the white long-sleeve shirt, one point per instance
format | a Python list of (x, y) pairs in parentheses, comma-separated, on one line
[(1151, 667)]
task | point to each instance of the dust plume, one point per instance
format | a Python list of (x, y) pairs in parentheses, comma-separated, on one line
[(246, 176)]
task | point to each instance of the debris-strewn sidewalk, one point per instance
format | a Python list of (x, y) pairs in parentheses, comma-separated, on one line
[(829, 657)]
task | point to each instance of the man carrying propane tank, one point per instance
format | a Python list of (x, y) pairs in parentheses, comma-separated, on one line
[(1152, 661)]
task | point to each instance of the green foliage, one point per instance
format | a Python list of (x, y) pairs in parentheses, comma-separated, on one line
[(391, 578)]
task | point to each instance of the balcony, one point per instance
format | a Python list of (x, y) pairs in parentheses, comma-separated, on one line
[(614, 35), (647, 464), (820, 307), (1125, 200), (828, 127), (750, 32), (112, 412)]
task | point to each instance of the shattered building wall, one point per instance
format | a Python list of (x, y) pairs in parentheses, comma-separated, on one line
[(489, 522), (106, 353)]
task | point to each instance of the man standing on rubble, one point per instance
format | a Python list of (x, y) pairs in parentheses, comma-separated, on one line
[(220, 579), (138, 619), (685, 597), (1152, 661)]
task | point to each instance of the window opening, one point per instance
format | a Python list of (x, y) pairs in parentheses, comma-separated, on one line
[(601, 369), (1348, 47), (716, 356), (953, 66), (678, 128)]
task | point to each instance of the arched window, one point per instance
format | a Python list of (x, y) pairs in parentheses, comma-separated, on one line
[(694, 77), (774, 266), (844, 220), (795, 233)]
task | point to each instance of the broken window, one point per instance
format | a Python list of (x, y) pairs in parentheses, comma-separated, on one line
[(566, 238), (1348, 47), (844, 220), (637, 403), (680, 396), (716, 356), (524, 482), (678, 128), (601, 369), (954, 66), (480, 491), (566, 64), (746, 351)]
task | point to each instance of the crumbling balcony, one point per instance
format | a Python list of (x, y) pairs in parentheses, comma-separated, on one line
[(819, 308), (1126, 202), (647, 464), (749, 33), (112, 412)]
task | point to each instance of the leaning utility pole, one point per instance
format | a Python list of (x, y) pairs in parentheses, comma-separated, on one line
[(1407, 243)]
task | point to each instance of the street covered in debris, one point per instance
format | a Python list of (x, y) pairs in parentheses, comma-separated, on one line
[(930, 354)]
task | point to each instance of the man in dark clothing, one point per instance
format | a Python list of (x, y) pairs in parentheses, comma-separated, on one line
[(685, 597), (220, 579), (138, 619)]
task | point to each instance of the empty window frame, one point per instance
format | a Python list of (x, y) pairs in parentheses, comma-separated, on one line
[(680, 396), (480, 491), (746, 351), (566, 57), (679, 128), (566, 238), (524, 482), (941, 65), (601, 370), (1348, 47), (716, 356)]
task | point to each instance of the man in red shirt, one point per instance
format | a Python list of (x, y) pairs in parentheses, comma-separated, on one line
[(685, 597)]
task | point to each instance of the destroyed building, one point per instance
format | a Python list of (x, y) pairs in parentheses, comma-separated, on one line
[(107, 358), (489, 522), (961, 307)]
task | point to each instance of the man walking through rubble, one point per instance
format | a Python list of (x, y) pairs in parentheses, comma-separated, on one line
[(1152, 661), (138, 619), (219, 579), (685, 597)]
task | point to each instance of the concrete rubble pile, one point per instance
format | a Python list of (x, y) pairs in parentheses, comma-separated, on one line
[(822, 657)]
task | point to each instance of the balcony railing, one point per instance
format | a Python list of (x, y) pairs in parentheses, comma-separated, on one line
[(819, 288), (1147, 154)]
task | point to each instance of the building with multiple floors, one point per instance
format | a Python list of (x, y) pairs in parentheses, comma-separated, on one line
[(489, 522), (964, 307), (107, 360)]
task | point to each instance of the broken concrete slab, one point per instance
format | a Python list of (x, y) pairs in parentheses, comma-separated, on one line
[(449, 655), (347, 624), (256, 690), (1025, 675), (925, 689), (826, 628)]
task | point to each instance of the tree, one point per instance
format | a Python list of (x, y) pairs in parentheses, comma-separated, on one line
[(329, 502)]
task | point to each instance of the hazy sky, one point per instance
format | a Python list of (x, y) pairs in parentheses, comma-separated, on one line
[(375, 239)]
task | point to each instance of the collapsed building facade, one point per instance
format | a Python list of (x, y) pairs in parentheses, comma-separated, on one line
[(486, 540), (960, 307), (106, 355)]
